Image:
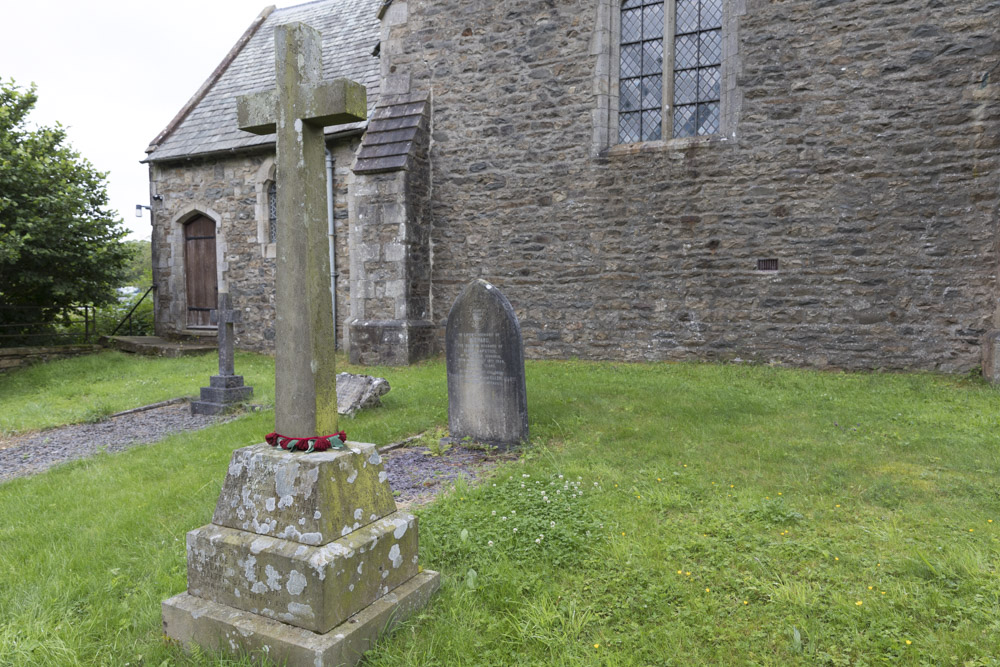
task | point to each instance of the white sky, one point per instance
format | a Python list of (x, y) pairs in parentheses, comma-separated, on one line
[(116, 72)]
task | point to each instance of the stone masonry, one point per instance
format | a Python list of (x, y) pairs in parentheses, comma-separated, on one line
[(391, 262), (227, 189), (863, 157)]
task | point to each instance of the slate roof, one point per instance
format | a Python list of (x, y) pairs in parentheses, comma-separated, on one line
[(396, 129), (350, 30)]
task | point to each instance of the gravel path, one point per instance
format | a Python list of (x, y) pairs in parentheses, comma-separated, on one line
[(31, 453), (417, 477), (414, 475)]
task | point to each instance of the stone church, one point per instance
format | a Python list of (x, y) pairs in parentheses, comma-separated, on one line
[(810, 182)]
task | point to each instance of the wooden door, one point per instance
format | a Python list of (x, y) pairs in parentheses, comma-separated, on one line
[(199, 266)]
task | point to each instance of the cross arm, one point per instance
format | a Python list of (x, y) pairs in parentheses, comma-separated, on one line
[(337, 102), (257, 112)]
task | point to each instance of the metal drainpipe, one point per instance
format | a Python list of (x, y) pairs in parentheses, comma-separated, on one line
[(332, 235)]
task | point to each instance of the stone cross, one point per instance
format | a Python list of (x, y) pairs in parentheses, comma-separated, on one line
[(226, 390), (225, 317), (298, 109)]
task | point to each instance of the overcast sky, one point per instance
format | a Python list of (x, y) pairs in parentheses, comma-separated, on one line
[(116, 72)]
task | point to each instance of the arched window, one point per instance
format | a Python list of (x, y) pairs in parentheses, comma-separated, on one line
[(640, 81), (272, 211)]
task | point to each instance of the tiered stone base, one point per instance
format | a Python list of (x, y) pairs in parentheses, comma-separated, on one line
[(306, 561), (216, 627), (222, 395)]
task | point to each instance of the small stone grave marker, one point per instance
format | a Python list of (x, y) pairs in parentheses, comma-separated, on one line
[(484, 352), (226, 389)]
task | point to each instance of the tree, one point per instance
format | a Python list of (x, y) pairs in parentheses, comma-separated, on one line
[(59, 243), (139, 270)]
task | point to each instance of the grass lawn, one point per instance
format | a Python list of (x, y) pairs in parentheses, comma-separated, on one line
[(665, 514)]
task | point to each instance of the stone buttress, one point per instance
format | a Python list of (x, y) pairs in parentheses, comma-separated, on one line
[(391, 320), (307, 560)]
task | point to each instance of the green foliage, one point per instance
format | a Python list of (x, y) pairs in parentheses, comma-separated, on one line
[(108, 316), (59, 243), (432, 441), (139, 270), (532, 518)]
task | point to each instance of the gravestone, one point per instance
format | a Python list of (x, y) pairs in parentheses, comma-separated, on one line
[(487, 398), (225, 390), (356, 392), (306, 561)]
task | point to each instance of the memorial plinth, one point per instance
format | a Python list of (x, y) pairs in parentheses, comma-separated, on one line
[(300, 543)]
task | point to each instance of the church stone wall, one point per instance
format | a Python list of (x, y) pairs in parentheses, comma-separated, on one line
[(864, 158), (226, 189)]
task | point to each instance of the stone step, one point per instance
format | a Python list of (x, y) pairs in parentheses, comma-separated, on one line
[(311, 587), (161, 347), (196, 622)]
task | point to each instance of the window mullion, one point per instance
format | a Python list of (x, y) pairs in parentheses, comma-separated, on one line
[(669, 23)]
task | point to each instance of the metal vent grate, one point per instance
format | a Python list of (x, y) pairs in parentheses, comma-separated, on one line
[(767, 264)]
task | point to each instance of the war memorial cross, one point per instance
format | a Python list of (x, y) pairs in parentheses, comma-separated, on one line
[(297, 110)]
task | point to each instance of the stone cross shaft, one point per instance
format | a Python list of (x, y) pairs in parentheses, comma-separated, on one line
[(225, 317), (297, 110)]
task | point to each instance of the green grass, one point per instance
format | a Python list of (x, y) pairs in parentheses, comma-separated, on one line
[(704, 515), (89, 388)]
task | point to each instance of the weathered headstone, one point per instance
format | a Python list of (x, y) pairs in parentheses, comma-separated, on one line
[(487, 398), (226, 389), (356, 392), (306, 561)]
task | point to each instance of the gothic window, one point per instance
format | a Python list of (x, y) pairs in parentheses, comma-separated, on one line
[(640, 81), (697, 67), (272, 211)]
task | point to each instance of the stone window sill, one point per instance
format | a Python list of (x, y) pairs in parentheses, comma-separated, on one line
[(683, 143)]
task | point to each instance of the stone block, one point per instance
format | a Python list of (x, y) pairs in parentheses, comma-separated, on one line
[(226, 381), (314, 588), (193, 621), (209, 408), (391, 342), (311, 499), (356, 392), (226, 394)]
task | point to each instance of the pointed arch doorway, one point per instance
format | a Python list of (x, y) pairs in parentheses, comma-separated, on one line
[(200, 271)]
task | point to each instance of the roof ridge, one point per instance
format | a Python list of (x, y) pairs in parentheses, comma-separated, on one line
[(212, 79), (302, 4)]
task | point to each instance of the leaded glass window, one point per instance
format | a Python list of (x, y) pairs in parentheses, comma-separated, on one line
[(272, 211), (697, 67), (640, 94)]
